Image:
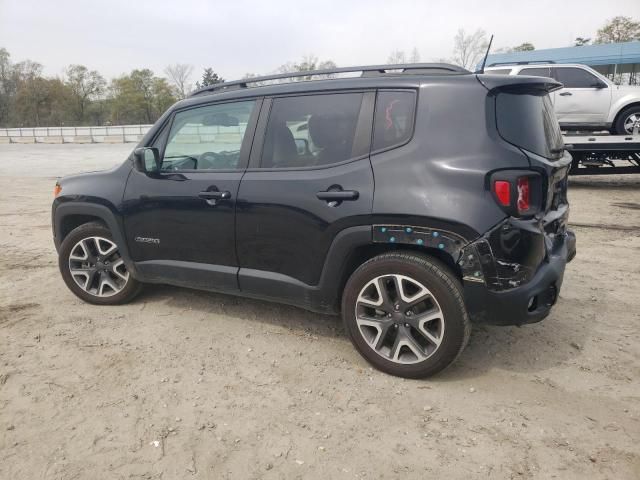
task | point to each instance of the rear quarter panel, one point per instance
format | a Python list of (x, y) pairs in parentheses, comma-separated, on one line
[(438, 179)]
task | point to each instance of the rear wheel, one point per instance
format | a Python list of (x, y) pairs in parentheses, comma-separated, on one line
[(93, 268), (405, 314), (627, 119)]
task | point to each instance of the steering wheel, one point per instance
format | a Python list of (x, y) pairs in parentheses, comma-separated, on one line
[(213, 160)]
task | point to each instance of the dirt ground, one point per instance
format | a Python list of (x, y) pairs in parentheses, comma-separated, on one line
[(186, 384)]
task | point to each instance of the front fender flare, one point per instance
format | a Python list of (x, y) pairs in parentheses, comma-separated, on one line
[(104, 213)]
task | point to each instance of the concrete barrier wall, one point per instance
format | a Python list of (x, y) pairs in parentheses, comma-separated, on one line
[(189, 134), (106, 134)]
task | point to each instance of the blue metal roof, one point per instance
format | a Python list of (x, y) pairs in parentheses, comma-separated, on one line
[(603, 54)]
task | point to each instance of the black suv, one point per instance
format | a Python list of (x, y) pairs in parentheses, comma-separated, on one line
[(413, 200)]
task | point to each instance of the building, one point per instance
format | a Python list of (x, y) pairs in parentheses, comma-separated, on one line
[(620, 62)]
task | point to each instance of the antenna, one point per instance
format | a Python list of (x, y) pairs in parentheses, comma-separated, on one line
[(484, 60)]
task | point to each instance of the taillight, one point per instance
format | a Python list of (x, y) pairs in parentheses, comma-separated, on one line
[(502, 189), (524, 197), (56, 190), (518, 192)]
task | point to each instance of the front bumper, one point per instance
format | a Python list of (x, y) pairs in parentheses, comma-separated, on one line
[(528, 302)]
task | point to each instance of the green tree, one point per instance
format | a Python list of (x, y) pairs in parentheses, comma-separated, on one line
[(85, 87), (139, 97), (581, 41), (619, 29), (41, 102), (525, 47), (209, 77), (7, 86)]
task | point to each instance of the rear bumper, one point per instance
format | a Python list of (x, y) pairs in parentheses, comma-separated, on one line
[(529, 302)]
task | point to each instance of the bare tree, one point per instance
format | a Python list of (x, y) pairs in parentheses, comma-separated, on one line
[(469, 49), (415, 56), (396, 56), (180, 76), (308, 63)]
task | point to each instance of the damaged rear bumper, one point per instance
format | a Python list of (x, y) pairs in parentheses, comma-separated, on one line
[(513, 275)]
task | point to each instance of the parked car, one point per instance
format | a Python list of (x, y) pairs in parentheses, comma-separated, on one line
[(411, 201), (588, 100)]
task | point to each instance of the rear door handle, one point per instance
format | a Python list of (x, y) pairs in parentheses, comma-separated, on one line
[(338, 195), (214, 195), (566, 94)]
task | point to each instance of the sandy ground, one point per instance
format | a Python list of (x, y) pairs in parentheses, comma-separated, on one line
[(185, 384)]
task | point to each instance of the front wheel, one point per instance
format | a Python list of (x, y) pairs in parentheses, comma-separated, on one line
[(627, 119), (92, 266), (405, 314)]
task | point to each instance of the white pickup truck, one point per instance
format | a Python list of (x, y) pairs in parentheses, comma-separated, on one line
[(588, 101)]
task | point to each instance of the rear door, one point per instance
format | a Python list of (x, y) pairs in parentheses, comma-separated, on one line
[(309, 177), (585, 99)]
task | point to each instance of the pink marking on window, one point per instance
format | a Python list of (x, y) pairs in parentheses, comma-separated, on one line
[(387, 115)]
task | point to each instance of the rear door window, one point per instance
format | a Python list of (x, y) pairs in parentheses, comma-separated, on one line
[(536, 72), (572, 77), (312, 130), (394, 117)]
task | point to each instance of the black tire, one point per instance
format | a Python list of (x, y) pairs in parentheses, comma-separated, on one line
[(618, 126), (131, 287), (443, 286)]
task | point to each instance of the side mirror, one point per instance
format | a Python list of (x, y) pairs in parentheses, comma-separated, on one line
[(146, 159)]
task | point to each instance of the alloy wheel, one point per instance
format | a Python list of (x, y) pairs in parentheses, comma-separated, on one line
[(97, 268), (399, 318), (631, 121)]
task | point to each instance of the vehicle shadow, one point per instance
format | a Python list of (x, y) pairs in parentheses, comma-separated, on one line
[(236, 307), (628, 182), (530, 348)]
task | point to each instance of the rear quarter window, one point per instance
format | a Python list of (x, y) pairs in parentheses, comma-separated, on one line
[(527, 120), (394, 118)]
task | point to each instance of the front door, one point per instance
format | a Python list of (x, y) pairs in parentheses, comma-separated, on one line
[(585, 99), (179, 221), (311, 178)]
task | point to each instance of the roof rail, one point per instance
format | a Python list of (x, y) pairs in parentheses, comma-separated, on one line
[(529, 62), (369, 70)]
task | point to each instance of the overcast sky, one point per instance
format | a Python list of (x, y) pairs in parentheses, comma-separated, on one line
[(236, 36)]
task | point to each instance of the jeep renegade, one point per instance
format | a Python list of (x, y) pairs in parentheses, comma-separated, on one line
[(412, 200)]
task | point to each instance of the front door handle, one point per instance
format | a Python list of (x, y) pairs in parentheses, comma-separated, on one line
[(338, 195), (566, 94)]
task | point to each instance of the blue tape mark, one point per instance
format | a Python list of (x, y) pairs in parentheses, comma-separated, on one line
[(383, 229), (420, 241), (441, 245), (408, 230), (435, 234), (392, 239)]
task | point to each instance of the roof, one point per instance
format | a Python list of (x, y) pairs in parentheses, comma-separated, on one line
[(602, 54)]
